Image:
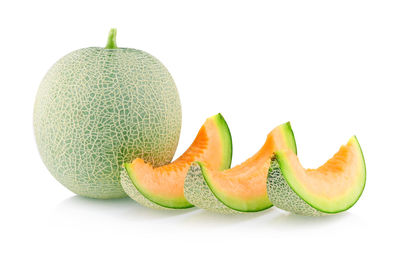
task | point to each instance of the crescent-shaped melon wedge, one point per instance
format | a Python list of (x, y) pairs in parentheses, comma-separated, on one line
[(334, 187), (242, 188), (162, 187)]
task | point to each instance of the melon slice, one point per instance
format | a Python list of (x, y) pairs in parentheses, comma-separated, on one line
[(242, 188), (334, 187), (162, 187)]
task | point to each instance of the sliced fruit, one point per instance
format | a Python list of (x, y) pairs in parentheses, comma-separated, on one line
[(334, 187), (162, 187), (242, 188)]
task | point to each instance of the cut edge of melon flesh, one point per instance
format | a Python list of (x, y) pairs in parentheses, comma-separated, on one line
[(332, 188), (163, 186), (243, 187)]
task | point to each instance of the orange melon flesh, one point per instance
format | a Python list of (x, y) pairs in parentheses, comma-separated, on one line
[(243, 188), (334, 186), (165, 185)]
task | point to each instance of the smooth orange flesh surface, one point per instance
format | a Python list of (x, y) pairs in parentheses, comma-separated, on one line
[(247, 181), (168, 180), (333, 179)]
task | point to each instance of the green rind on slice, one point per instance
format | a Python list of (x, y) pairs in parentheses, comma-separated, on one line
[(226, 139), (210, 195), (156, 199), (199, 194), (233, 203), (289, 137), (145, 198), (133, 193), (282, 187), (282, 195)]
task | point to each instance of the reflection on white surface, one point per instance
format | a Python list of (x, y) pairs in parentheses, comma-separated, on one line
[(79, 209)]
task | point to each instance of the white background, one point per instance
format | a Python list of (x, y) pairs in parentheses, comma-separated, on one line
[(330, 67)]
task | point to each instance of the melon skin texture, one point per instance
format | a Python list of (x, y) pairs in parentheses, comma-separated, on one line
[(97, 108), (200, 191), (284, 195), (134, 193), (281, 194), (198, 150)]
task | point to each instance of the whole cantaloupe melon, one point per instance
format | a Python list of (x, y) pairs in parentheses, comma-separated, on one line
[(97, 108)]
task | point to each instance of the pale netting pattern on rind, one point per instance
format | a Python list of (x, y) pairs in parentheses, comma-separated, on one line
[(283, 197), (199, 194), (134, 194), (96, 109)]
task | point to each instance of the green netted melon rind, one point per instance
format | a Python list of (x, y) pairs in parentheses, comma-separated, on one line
[(98, 108), (134, 194), (282, 196), (198, 193)]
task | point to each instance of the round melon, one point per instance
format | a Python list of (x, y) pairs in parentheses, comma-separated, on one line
[(98, 108)]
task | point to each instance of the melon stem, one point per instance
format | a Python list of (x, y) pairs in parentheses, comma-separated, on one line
[(112, 42)]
